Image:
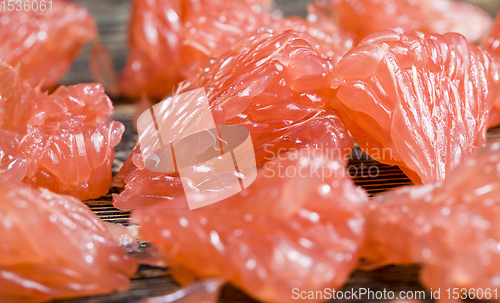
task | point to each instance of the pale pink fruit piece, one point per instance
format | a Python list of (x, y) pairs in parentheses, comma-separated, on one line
[(203, 291), (420, 102), (62, 141), (363, 17), (300, 224), (54, 246), (46, 42), (451, 229), (492, 45), (124, 236), (279, 94)]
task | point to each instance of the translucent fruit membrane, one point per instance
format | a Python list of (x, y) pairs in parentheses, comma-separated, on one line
[(452, 229), (54, 246), (166, 48), (492, 45), (362, 17), (299, 225), (46, 40), (273, 84), (63, 141), (420, 102)]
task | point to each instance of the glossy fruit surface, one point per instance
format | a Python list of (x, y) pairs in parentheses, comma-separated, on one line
[(156, 35), (62, 141), (452, 229), (300, 224), (363, 17), (34, 38), (214, 30), (420, 102), (492, 45), (332, 42), (54, 246), (167, 48), (278, 94)]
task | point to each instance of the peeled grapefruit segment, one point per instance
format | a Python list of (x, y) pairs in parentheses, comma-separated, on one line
[(165, 49), (278, 94), (492, 45), (70, 158), (61, 141), (332, 41), (451, 229), (363, 17), (54, 246), (156, 40), (300, 224), (420, 102), (214, 30), (13, 166), (46, 41)]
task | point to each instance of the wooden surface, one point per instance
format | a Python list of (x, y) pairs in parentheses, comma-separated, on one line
[(112, 16)]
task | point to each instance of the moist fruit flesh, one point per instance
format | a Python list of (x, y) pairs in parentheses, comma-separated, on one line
[(492, 45), (213, 31), (157, 62), (451, 229), (420, 102), (279, 94), (285, 230), (54, 246), (362, 17), (34, 38), (62, 141), (333, 42), (155, 37)]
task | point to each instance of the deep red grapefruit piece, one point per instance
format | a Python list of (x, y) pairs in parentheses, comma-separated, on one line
[(279, 94), (33, 37), (451, 229), (64, 141), (420, 102), (299, 225), (363, 17), (54, 246)]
